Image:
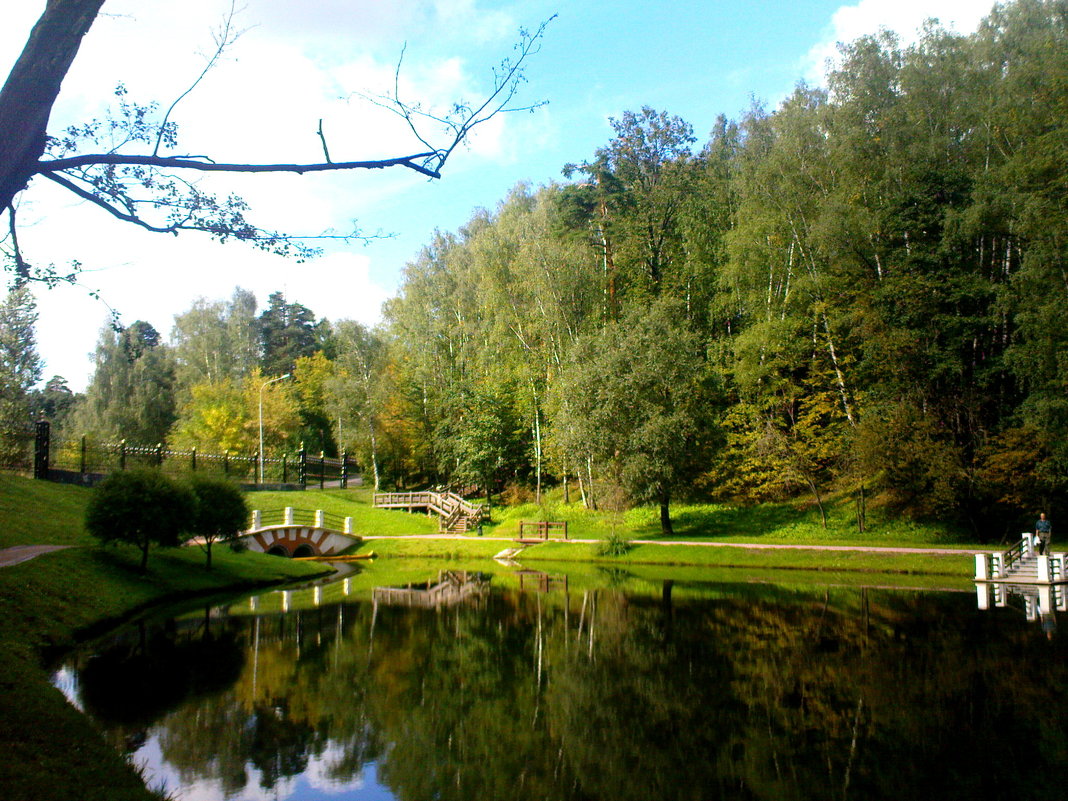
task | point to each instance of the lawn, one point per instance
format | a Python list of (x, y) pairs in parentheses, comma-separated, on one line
[(41, 513)]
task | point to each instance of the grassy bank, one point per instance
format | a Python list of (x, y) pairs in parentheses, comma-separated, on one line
[(704, 525), (48, 750)]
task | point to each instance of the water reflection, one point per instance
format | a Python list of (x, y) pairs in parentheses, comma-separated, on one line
[(687, 691), (1039, 602)]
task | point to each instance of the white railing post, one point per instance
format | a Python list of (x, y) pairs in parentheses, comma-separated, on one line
[(318, 518), (257, 520), (287, 516), (348, 525), (996, 565), (982, 567), (1042, 563)]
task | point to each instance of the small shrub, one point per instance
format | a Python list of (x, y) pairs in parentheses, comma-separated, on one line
[(516, 494), (615, 544)]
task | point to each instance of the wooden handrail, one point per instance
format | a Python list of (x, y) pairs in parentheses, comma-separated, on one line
[(447, 505)]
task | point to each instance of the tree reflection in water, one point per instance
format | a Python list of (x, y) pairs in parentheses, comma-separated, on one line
[(755, 692)]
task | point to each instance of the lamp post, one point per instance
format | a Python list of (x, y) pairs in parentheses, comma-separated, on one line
[(265, 383)]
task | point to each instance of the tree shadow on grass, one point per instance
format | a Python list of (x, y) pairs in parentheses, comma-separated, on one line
[(750, 522)]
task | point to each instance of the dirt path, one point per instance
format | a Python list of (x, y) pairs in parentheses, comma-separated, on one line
[(706, 544), (22, 553)]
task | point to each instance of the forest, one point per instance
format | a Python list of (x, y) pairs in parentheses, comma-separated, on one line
[(855, 297)]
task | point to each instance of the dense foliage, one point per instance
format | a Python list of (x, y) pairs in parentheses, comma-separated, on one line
[(140, 508), (220, 513), (856, 295)]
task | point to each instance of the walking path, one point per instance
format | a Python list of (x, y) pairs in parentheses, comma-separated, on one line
[(23, 553), (751, 545)]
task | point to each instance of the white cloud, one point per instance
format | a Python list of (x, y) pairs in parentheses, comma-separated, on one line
[(904, 17)]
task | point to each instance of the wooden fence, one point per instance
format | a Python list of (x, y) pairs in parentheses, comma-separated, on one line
[(541, 529)]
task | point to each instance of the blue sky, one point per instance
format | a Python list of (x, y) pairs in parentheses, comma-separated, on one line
[(298, 63)]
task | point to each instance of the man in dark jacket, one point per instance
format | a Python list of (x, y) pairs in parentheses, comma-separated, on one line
[(1043, 529)]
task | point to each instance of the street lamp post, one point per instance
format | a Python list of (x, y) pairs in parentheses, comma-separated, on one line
[(265, 383)]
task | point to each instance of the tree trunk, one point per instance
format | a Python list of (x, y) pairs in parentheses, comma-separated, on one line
[(537, 450), (861, 509), (32, 87), (374, 452), (819, 501), (665, 515), (592, 501)]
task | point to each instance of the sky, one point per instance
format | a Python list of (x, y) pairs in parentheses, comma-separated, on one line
[(295, 64)]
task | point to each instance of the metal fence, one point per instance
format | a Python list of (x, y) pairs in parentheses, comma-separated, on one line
[(86, 460)]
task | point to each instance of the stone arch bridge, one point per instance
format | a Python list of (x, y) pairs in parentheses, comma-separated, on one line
[(298, 533)]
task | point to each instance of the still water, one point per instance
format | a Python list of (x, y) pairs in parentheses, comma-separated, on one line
[(588, 687)]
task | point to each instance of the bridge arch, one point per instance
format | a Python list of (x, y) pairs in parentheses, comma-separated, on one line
[(298, 534)]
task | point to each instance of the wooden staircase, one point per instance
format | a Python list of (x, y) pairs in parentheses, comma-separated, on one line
[(455, 515)]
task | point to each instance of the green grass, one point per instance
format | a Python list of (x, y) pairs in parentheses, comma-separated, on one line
[(41, 513), (774, 524), (354, 503), (961, 566), (48, 749), (465, 548)]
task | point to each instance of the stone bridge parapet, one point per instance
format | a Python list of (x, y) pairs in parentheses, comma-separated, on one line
[(298, 533)]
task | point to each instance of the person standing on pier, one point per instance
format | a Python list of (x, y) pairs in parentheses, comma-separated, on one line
[(1043, 529)]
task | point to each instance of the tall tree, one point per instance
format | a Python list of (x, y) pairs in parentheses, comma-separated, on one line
[(288, 331), (20, 364), (355, 392), (131, 394), (54, 402), (216, 341), (633, 196), (645, 403)]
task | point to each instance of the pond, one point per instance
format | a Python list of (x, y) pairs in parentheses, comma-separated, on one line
[(527, 684)]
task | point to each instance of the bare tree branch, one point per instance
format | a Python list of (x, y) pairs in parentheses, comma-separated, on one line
[(224, 37), (147, 189), (51, 166), (322, 138), (462, 119)]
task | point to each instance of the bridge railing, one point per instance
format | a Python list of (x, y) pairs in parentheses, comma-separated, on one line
[(266, 518), (449, 506)]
